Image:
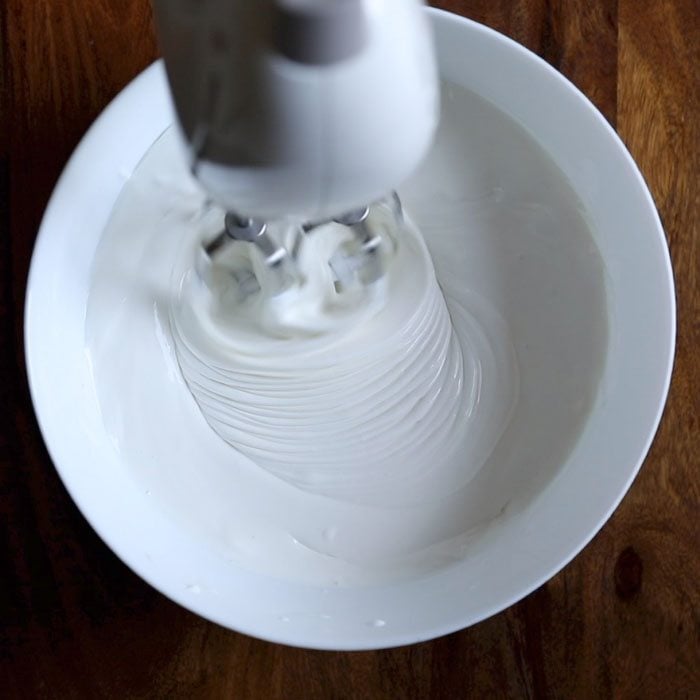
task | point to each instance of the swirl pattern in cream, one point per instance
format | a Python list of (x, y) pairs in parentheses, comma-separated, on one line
[(355, 400)]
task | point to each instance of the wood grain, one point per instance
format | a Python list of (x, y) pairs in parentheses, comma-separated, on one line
[(621, 621)]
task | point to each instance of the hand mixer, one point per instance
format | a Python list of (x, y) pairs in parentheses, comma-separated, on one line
[(302, 111)]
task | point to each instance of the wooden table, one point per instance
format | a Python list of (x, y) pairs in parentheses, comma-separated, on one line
[(621, 621)]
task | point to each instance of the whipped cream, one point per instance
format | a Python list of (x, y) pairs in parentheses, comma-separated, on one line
[(372, 399), (381, 440)]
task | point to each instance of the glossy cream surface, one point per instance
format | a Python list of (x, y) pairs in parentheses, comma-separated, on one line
[(353, 441)]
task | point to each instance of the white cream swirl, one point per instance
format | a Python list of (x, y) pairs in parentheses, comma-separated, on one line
[(384, 407)]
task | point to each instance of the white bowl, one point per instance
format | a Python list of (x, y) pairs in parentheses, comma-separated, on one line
[(517, 553)]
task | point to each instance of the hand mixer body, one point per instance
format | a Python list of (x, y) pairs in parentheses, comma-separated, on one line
[(300, 109)]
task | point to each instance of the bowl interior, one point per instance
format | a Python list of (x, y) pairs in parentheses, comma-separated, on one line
[(512, 556)]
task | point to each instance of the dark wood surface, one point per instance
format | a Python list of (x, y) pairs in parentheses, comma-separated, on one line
[(623, 620)]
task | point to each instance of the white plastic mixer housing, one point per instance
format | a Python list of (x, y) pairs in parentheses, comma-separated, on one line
[(300, 109)]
